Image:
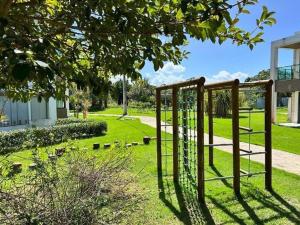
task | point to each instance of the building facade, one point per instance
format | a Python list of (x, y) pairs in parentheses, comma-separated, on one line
[(287, 79), (17, 114)]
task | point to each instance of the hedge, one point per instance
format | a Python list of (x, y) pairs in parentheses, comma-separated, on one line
[(70, 121), (28, 138)]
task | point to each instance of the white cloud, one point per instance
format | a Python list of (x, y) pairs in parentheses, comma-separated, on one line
[(170, 73), (116, 78), (225, 75)]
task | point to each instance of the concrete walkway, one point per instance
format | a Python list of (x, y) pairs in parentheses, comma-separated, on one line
[(282, 160)]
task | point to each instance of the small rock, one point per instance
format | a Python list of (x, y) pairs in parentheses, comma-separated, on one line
[(106, 146), (146, 140), (60, 151), (17, 167), (96, 146), (32, 166), (135, 143), (52, 157)]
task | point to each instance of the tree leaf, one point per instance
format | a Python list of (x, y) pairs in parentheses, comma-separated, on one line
[(21, 71)]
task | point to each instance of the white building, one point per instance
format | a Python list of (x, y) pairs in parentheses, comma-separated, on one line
[(16, 115), (287, 79)]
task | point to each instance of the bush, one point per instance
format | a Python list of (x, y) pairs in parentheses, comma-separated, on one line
[(78, 189), (28, 138), (70, 121)]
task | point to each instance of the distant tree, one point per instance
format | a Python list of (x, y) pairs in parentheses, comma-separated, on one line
[(86, 104), (100, 89), (222, 103), (117, 91), (252, 97), (142, 91), (262, 75), (80, 98)]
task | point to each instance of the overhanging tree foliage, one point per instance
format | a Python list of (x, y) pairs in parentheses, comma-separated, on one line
[(46, 44)]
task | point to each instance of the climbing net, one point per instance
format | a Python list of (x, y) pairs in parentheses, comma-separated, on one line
[(178, 125), (187, 146)]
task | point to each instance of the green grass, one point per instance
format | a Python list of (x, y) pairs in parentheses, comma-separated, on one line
[(131, 111), (284, 138), (165, 203), (282, 115)]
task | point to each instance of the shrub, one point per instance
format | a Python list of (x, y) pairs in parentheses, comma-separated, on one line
[(28, 138), (69, 121), (77, 189)]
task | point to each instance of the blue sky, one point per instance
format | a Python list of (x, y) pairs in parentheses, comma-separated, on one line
[(220, 62)]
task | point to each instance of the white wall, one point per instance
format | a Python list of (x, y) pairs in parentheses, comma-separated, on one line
[(52, 110), (38, 109), (33, 112), (16, 112), (46, 112)]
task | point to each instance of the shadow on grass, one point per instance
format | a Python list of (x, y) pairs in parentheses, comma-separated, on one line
[(253, 206), (256, 207), (190, 210)]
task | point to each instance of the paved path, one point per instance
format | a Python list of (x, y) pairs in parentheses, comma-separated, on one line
[(282, 160)]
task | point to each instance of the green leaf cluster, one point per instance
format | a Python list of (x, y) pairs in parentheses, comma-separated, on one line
[(48, 44)]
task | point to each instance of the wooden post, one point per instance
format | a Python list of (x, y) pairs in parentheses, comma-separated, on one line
[(200, 142), (236, 138), (158, 131), (185, 130), (268, 136), (175, 133), (210, 128)]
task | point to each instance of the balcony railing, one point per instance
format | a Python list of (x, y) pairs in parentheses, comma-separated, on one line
[(288, 72)]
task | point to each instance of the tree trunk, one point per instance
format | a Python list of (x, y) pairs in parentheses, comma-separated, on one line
[(124, 96)]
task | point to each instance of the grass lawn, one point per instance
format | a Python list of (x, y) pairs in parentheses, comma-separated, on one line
[(282, 115), (284, 138), (131, 111), (165, 203)]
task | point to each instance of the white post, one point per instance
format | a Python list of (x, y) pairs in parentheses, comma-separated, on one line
[(296, 63), (274, 65), (290, 109), (124, 96), (52, 110), (29, 112), (67, 101), (294, 107), (295, 95)]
